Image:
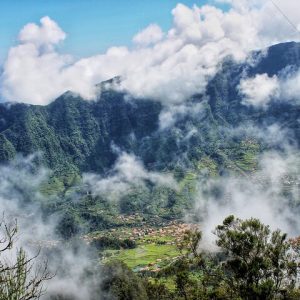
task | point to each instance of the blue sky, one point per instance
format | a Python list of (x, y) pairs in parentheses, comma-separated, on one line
[(91, 25)]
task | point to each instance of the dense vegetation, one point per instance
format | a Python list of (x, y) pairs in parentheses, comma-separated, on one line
[(72, 136), (76, 136), (21, 277), (141, 250), (252, 262)]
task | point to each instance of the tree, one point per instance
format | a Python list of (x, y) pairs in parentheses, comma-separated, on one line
[(157, 290), (68, 226), (121, 283), (21, 279), (189, 285), (259, 263), (188, 245)]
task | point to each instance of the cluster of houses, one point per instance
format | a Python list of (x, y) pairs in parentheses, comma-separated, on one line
[(143, 231)]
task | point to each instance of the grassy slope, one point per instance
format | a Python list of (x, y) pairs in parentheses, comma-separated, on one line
[(144, 255)]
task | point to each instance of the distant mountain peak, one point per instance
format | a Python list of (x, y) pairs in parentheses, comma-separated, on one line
[(109, 84)]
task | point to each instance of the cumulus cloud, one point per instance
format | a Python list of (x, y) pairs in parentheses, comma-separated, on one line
[(258, 91), (150, 35), (47, 34), (33, 69), (128, 172), (169, 68)]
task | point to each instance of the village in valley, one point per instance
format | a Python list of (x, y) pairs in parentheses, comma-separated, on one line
[(155, 243)]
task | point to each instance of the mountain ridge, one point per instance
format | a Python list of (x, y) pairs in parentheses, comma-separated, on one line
[(73, 133)]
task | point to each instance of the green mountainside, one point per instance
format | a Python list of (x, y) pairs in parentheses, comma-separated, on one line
[(73, 136), (143, 240), (72, 133)]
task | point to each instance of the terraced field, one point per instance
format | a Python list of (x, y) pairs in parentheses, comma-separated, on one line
[(145, 256), (156, 247)]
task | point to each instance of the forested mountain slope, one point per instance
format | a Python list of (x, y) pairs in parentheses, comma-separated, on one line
[(75, 134)]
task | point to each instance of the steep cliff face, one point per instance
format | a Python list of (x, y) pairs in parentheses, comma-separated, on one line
[(73, 133)]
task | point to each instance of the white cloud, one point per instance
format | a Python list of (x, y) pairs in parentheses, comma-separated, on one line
[(273, 26), (169, 68), (20, 199), (128, 172), (171, 114), (150, 35), (48, 33), (272, 136), (268, 194), (290, 87), (33, 77), (258, 91)]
